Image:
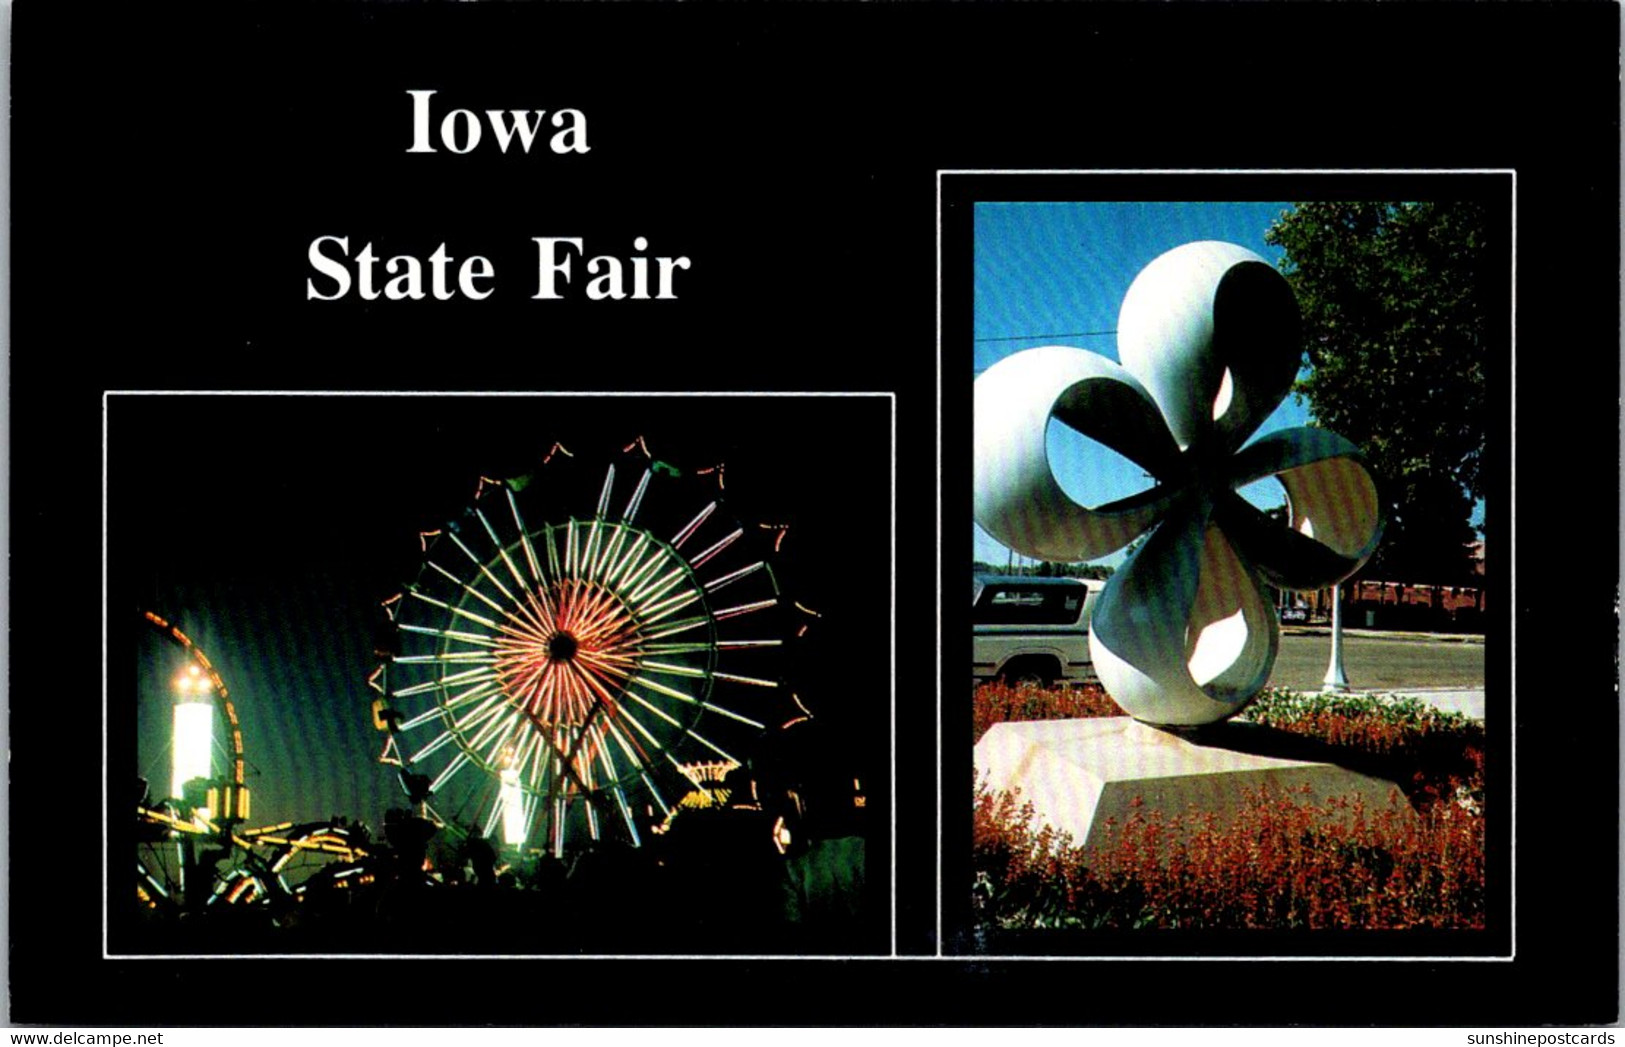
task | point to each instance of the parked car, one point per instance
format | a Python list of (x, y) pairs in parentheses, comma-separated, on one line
[(1032, 630)]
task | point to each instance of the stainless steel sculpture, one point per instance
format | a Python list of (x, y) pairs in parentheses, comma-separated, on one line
[(1208, 335)]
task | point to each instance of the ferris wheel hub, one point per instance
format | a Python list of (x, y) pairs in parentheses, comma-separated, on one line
[(562, 647)]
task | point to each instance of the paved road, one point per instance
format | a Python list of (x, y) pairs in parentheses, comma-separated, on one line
[(1380, 662)]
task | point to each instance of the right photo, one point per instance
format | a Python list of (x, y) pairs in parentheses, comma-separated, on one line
[(1232, 471)]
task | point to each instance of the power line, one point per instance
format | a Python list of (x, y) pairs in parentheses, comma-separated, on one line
[(1029, 337)]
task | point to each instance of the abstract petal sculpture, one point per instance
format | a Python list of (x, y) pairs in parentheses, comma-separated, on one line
[(1184, 633)]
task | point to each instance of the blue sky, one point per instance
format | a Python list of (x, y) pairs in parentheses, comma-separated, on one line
[(1056, 273)]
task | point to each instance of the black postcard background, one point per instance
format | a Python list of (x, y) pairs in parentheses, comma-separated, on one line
[(174, 162)]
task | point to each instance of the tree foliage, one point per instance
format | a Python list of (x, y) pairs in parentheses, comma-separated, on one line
[(1048, 569), (1399, 330)]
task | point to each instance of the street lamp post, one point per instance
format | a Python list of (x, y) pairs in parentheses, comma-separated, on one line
[(1336, 681)]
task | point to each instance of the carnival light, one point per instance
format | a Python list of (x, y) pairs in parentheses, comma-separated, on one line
[(513, 808), (192, 741)]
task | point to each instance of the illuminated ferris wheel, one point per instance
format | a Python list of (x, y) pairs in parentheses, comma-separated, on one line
[(576, 645)]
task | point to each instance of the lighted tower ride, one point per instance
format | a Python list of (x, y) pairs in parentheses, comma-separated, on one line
[(193, 849)]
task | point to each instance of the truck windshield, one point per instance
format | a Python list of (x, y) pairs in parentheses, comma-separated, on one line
[(1058, 605)]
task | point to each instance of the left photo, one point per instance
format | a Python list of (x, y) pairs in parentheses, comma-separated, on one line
[(528, 675)]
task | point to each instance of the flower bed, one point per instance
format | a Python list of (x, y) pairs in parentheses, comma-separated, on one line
[(1285, 863)]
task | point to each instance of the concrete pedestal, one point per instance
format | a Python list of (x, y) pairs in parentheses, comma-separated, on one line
[(1078, 773)]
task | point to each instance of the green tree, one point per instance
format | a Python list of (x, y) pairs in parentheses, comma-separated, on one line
[(1399, 326)]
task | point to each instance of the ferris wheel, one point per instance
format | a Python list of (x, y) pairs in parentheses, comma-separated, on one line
[(576, 644)]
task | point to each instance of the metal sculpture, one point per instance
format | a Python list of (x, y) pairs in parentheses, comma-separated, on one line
[(1184, 633)]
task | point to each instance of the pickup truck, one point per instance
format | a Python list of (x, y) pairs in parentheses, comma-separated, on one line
[(1032, 630)]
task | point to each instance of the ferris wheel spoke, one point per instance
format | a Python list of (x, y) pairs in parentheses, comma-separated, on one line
[(558, 827), (566, 605), (538, 763), (580, 696), (667, 608), (542, 611), (636, 502), (751, 681), (631, 558), (502, 550), (692, 526), (600, 696), (622, 712), (436, 743), (665, 808), (457, 763), (480, 674), (634, 752), (677, 670), (647, 704), (524, 539), (583, 608), (529, 745), (450, 634), (638, 574), (714, 747), (489, 828), (469, 589), (555, 690), (553, 569), (653, 590), (603, 606), (458, 727), (428, 715), (606, 675), (459, 611), (435, 712), (589, 555), (482, 568), (746, 608), (524, 637), (672, 692), (601, 750), (626, 816), (571, 570), (607, 558), (733, 576), (603, 495), (522, 676), (479, 714), (698, 673), (447, 658), (615, 665), (678, 648), (491, 729), (496, 738), (415, 689), (682, 625), (723, 543)]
